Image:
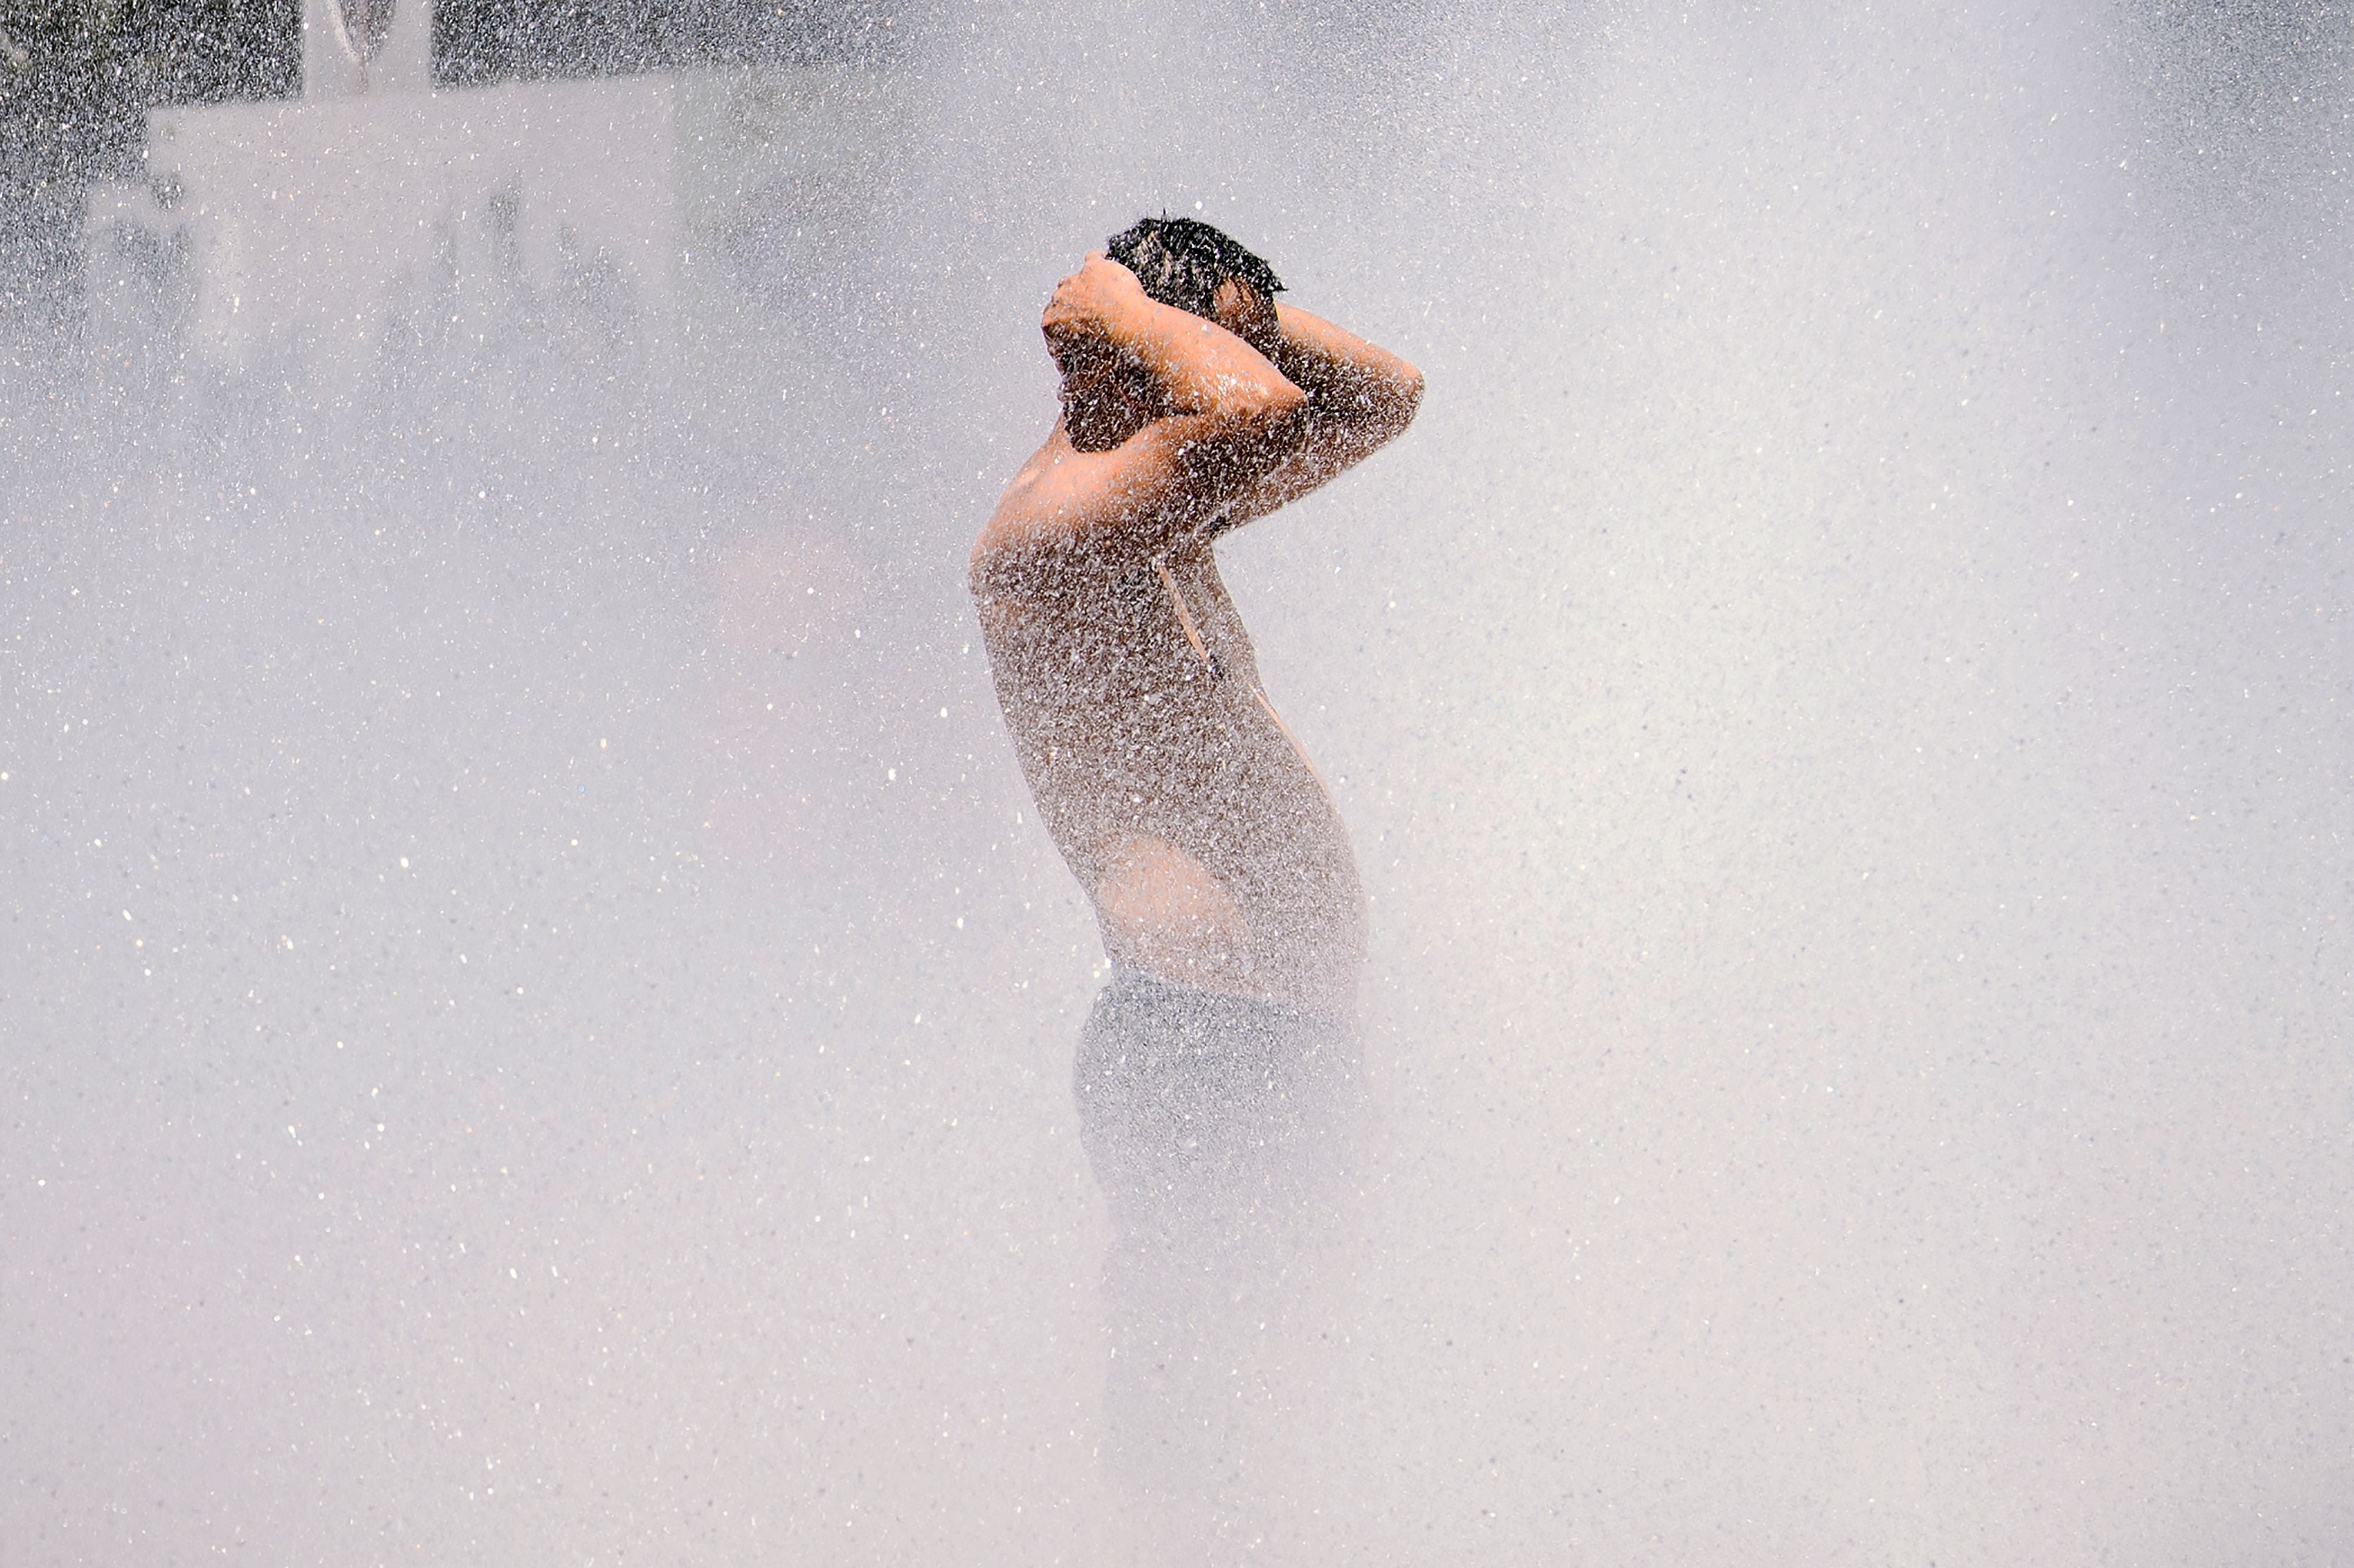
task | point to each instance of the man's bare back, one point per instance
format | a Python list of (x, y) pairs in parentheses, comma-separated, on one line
[(1212, 853)]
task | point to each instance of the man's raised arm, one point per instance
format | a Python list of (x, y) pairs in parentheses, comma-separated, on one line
[(1199, 368), (1360, 396)]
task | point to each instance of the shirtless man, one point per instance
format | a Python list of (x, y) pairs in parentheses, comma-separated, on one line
[(1213, 1071)]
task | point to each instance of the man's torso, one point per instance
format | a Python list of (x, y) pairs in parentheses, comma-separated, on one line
[(1210, 847)]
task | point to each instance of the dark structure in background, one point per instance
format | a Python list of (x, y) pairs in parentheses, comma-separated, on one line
[(478, 41), (77, 77)]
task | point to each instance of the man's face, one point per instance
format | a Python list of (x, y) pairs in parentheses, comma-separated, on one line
[(1106, 396), (1101, 411)]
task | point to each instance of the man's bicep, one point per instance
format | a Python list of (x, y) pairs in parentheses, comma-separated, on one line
[(1177, 472)]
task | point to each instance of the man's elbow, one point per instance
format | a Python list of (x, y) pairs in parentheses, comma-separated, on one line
[(1275, 412), (1285, 403), (1393, 401), (1272, 398), (1409, 394)]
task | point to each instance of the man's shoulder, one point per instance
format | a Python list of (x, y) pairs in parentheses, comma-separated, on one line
[(1068, 507)]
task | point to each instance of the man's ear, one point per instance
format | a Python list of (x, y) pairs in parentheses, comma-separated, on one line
[(1247, 313)]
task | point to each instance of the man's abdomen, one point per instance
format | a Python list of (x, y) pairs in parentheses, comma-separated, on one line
[(1228, 869)]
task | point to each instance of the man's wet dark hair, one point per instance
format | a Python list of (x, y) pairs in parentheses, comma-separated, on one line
[(1181, 261)]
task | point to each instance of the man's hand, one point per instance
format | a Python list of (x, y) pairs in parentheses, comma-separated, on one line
[(1090, 306)]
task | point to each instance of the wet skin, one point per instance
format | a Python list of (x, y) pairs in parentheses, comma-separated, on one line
[(1212, 853)]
